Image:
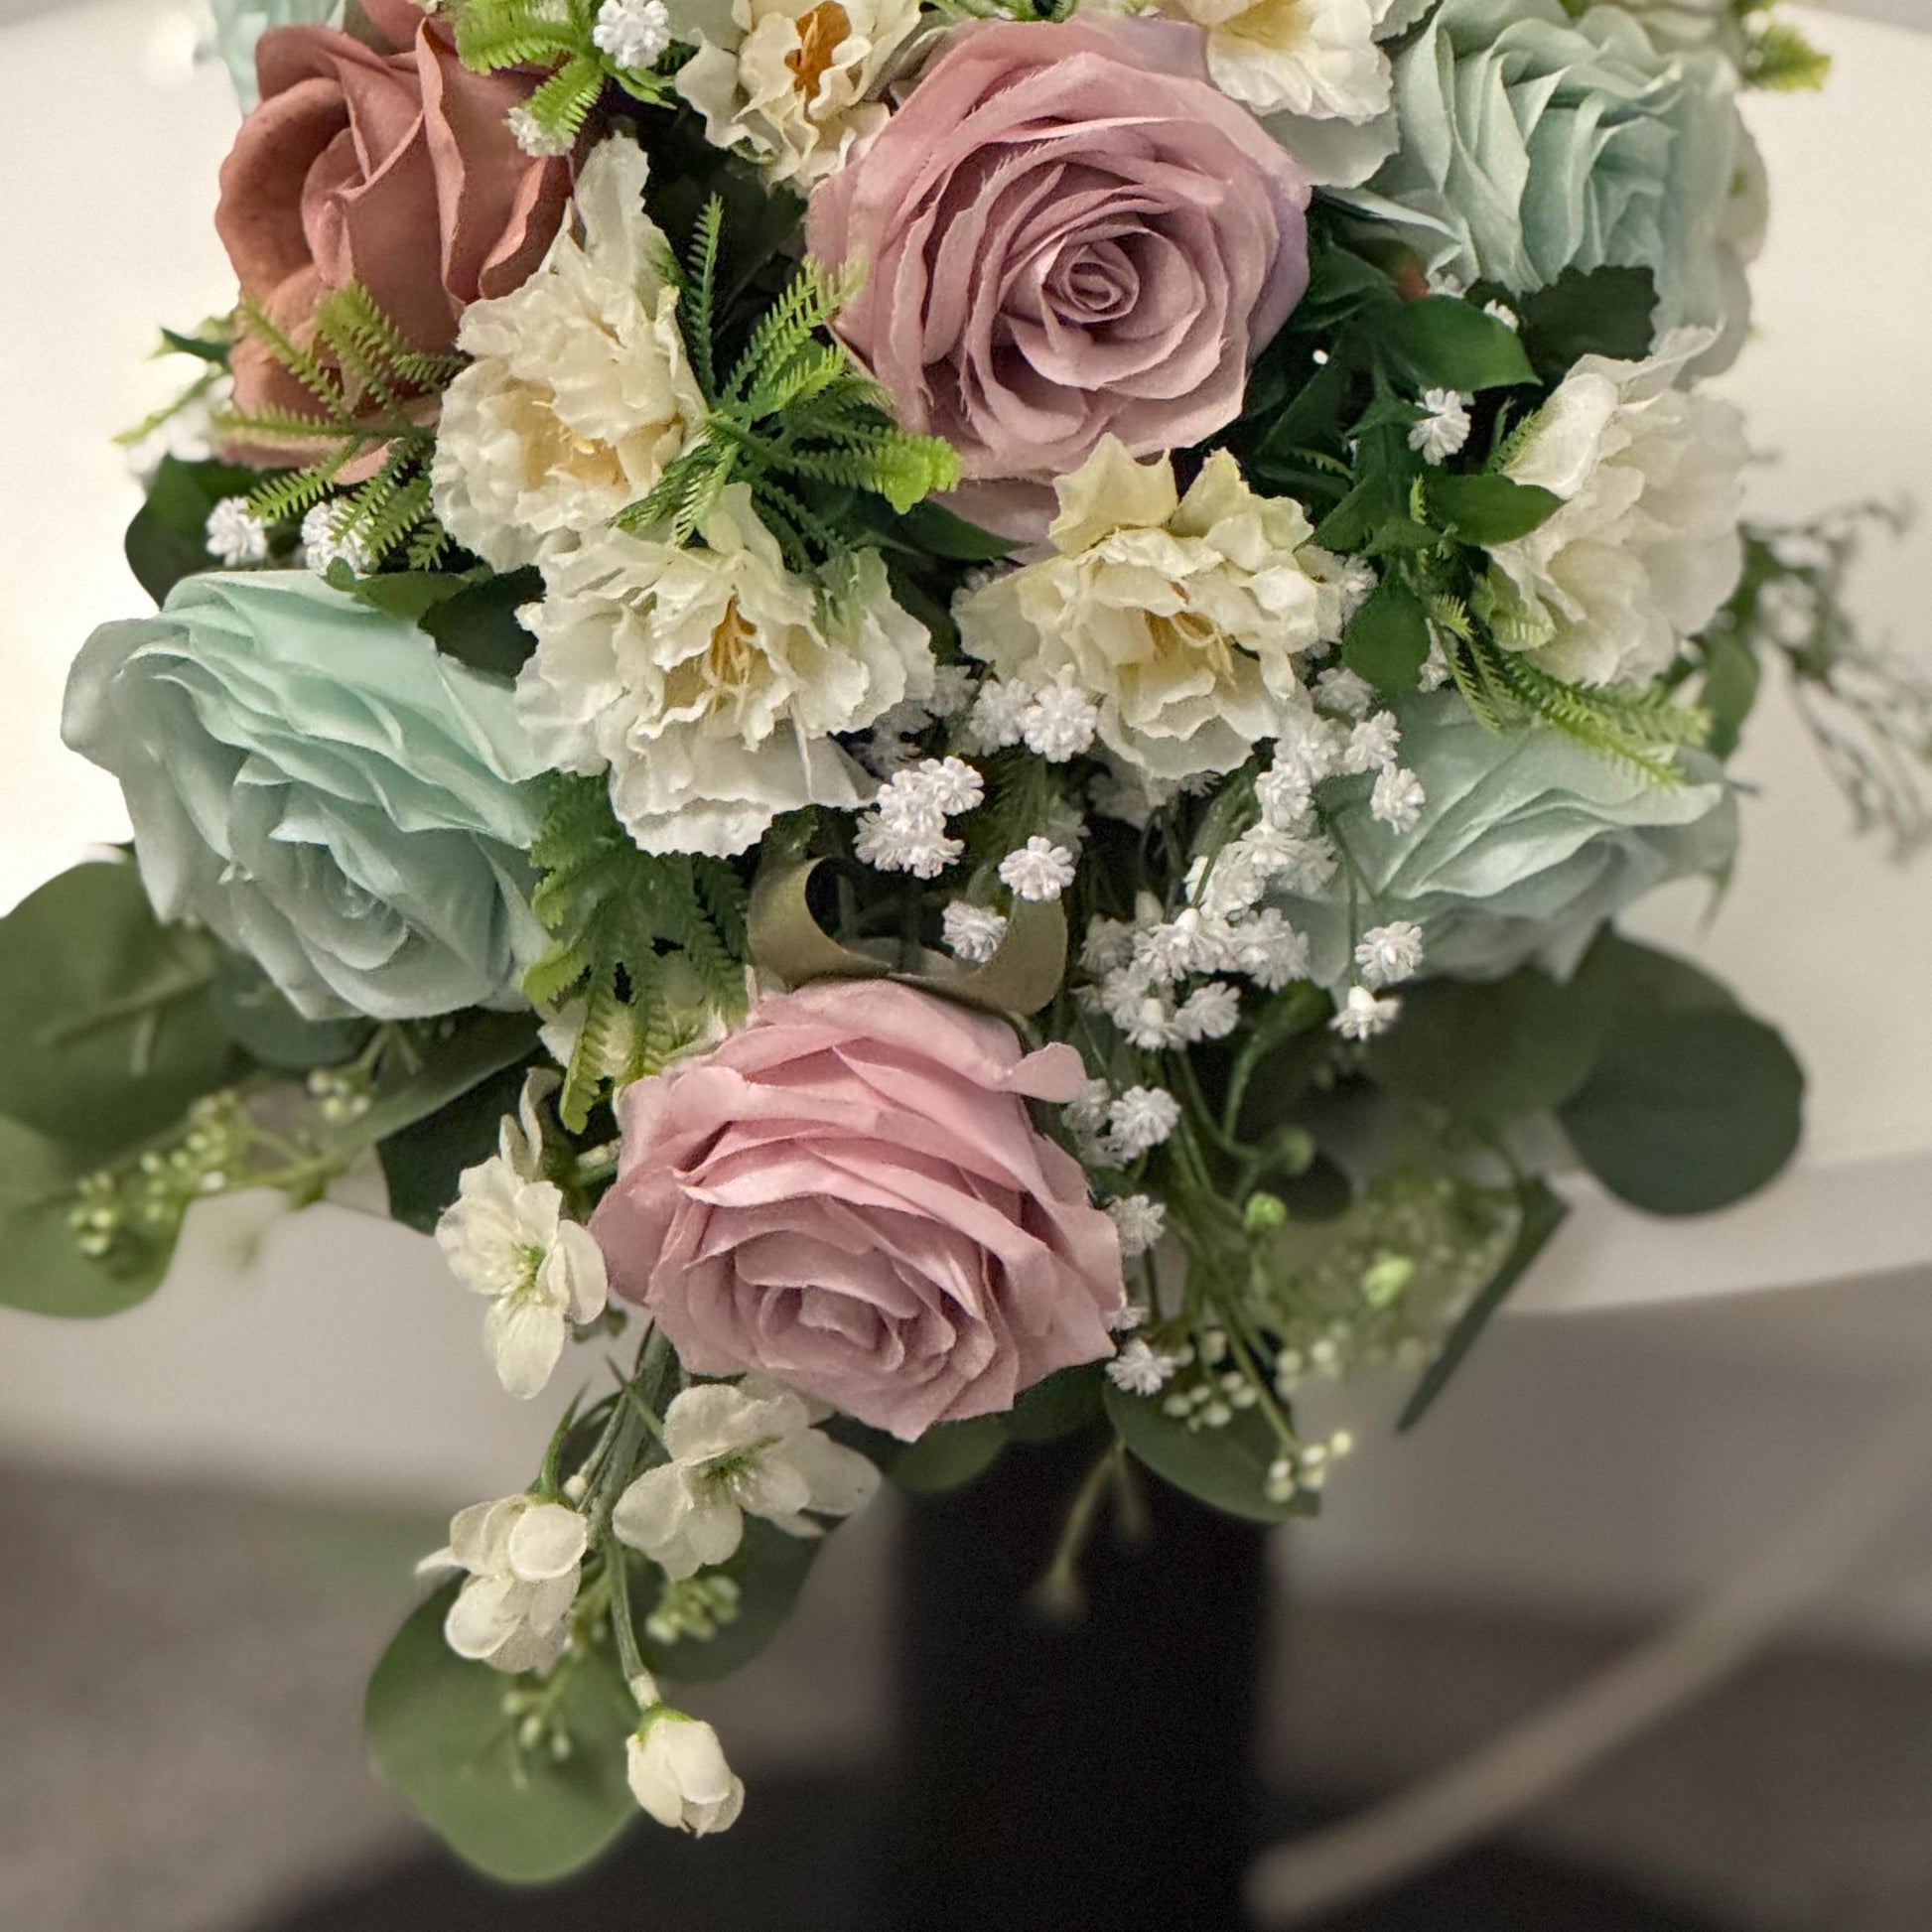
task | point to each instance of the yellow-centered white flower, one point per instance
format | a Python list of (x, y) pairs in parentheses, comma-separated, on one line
[(1646, 548), (1182, 617), (524, 1557), (678, 1774), (708, 679), (506, 1237), (738, 1450), (794, 82), (581, 391)]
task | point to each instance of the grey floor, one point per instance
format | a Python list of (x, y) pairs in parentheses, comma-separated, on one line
[(180, 1676)]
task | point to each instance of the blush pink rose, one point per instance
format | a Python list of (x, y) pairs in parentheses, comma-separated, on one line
[(390, 165), (849, 1196), (1067, 232)]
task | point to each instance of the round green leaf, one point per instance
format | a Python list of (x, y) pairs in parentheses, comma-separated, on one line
[(1688, 1110), (769, 1569), (950, 1455), (439, 1730), (1226, 1467)]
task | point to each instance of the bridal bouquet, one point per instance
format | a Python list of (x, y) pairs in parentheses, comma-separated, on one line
[(931, 716)]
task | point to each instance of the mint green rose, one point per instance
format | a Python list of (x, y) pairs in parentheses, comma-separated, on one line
[(1533, 143), (239, 23), (316, 784), (1527, 843)]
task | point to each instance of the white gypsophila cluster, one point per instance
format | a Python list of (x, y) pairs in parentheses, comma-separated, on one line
[(633, 33), (328, 539), (676, 1770), (972, 932), (1182, 620), (1645, 547), (1141, 1221), (233, 536), (1386, 955), (506, 1237), (905, 829), (523, 1556), (1445, 425), (1055, 722), (795, 84), (1397, 798), (579, 390), (1140, 1120), (1364, 1014), (732, 1451), (709, 680), (1040, 870), (1139, 1368), (537, 138)]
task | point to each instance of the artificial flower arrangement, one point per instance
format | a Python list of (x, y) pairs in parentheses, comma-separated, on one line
[(932, 715)]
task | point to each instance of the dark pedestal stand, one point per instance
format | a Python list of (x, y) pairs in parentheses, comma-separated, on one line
[(1047, 1777)]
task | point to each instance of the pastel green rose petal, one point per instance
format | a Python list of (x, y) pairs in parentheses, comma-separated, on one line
[(321, 789), (239, 23), (1528, 843)]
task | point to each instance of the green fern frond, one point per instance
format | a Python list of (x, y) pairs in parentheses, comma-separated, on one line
[(698, 295)]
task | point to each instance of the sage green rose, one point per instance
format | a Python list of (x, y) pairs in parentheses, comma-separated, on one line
[(1533, 143), (1527, 843), (314, 782), (239, 23)]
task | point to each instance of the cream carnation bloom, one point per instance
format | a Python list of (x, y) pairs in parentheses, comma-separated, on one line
[(581, 390), (793, 81), (708, 680), (1646, 548), (1180, 617)]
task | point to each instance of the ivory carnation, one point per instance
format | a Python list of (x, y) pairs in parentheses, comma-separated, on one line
[(1182, 617), (708, 681), (849, 1195), (580, 391), (1646, 548)]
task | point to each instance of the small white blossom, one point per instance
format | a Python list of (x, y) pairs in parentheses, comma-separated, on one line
[(1210, 1012), (1269, 951), (1086, 1113), (524, 1557), (1144, 1015), (1351, 580), (1038, 870), (677, 1772), (633, 33), (1108, 943), (327, 540), (539, 142), (1285, 797), (954, 689), (1141, 1369), (1141, 1118), (1389, 954), (1301, 866), (1363, 1014), (998, 715), (950, 785), (1444, 428), (1168, 950), (1435, 672), (1503, 313), (973, 932), (506, 1237), (1343, 690), (888, 845), (1372, 744), (235, 538), (732, 1450), (1060, 723), (1142, 1221), (1397, 798)]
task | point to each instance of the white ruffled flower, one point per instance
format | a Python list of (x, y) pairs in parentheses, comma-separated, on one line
[(233, 536), (506, 1237), (1445, 425), (704, 681), (1362, 1014), (738, 1450), (1182, 618), (1060, 723), (633, 33), (1645, 547), (1389, 954), (677, 1772), (580, 391), (972, 932), (795, 83), (1038, 870), (1141, 1370), (524, 1557)]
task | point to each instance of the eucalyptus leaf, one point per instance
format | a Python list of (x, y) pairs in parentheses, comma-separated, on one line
[(949, 1455), (167, 538), (436, 1062), (1387, 639), (439, 1730), (1067, 1400), (1226, 1467), (478, 625), (1487, 509), (423, 1162), (1447, 343), (257, 1015), (769, 1569)]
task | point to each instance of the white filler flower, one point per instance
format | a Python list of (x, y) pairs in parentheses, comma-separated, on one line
[(749, 1449), (580, 392), (1646, 548), (505, 1236), (678, 1774), (524, 1557)]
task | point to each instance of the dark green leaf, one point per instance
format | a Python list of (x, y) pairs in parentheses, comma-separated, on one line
[(1731, 677), (1543, 1213), (949, 1455), (167, 539), (424, 1162), (255, 1013), (1604, 313), (40, 1269), (1056, 1407), (445, 1058), (200, 347), (1486, 509), (111, 1031), (937, 532), (769, 1569), (1445, 342), (1226, 1467), (1387, 639), (437, 1729), (478, 625), (407, 594)]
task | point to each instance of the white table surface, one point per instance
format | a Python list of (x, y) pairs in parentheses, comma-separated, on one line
[(105, 232)]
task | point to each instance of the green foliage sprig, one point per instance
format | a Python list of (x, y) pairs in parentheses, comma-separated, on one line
[(372, 389), (795, 418), (654, 945)]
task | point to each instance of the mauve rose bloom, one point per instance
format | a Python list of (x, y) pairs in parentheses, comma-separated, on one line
[(849, 1196), (394, 169), (1067, 232)]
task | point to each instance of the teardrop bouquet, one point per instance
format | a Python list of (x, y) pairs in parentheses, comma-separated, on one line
[(932, 715)]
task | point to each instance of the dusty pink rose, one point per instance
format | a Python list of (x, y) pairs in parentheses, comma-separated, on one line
[(392, 167), (1067, 232), (849, 1196)]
